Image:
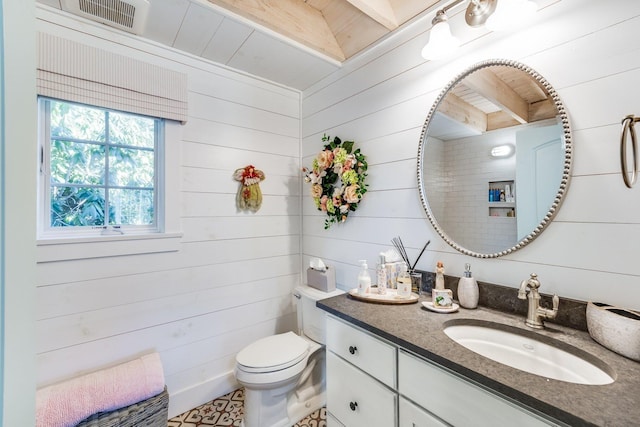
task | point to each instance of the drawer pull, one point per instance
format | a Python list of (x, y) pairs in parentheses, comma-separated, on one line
[(353, 405), (353, 349)]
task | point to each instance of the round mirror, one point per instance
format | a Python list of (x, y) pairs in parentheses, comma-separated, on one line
[(494, 159)]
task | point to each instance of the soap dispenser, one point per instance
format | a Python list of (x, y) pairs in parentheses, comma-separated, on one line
[(403, 282), (468, 292), (364, 279)]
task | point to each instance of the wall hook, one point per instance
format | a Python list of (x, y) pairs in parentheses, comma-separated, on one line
[(628, 127)]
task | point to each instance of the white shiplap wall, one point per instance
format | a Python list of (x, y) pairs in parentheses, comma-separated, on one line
[(230, 280), (589, 51)]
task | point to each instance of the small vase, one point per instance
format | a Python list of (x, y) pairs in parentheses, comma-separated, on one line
[(468, 292)]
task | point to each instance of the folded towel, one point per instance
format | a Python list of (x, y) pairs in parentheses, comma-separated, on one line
[(67, 403)]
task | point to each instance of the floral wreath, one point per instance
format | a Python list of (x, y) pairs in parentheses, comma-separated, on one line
[(337, 179)]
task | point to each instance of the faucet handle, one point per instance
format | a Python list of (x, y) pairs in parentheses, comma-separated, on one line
[(556, 302)]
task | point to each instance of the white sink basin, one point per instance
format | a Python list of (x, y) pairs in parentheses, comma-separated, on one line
[(529, 351)]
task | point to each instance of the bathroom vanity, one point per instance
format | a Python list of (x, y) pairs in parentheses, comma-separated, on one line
[(394, 366)]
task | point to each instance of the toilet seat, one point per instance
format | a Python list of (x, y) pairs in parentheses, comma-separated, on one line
[(273, 353)]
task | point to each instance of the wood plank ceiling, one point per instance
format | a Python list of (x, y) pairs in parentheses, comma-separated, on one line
[(296, 43), (493, 98), (338, 29)]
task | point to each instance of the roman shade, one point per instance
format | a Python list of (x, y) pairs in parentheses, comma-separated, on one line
[(77, 72)]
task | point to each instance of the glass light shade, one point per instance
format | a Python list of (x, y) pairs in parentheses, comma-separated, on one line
[(441, 42), (510, 14), (505, 150)]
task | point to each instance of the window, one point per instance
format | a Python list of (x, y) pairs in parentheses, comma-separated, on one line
[(100, 170)]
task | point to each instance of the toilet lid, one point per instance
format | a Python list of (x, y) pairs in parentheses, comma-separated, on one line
[(273, 353)]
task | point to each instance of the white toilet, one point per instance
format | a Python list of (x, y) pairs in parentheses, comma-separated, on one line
[(284, 375)]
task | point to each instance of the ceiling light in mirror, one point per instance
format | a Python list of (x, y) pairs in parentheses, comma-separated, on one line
[(505, 150)]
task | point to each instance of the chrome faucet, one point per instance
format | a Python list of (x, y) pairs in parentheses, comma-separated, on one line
[(535, 313)]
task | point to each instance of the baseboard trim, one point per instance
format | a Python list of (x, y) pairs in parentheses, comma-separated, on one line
[(181, 401)]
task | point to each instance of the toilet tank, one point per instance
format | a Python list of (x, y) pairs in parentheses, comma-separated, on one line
[(311, 319)]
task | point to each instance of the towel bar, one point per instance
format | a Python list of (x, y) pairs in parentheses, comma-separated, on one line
[(628, 127)]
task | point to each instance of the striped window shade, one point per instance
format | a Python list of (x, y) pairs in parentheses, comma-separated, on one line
[(80, 73)]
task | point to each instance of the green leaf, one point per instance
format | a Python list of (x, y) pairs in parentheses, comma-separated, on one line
[(348, 146)]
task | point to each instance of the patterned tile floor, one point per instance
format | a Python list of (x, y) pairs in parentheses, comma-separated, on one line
[(227, 410)]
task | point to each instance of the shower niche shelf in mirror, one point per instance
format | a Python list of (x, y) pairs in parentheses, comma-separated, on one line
[(501, 195), (502, 210), (489, 105)]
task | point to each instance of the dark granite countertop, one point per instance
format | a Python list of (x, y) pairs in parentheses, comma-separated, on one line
[(420, 331)]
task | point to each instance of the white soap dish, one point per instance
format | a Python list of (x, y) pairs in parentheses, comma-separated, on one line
[(615, 328), (438, 309)]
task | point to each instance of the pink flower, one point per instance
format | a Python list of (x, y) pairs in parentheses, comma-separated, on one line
[(323, 203), (348, 164), (316, 191), (325, 158), (351, 194)]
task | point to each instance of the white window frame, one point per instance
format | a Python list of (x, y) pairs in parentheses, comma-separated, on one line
[(44, 210), (63, 243)]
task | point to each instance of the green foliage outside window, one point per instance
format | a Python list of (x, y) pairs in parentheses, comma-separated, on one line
[(102, 166)]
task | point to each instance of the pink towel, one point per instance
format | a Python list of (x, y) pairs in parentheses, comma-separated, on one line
[(67, 403)]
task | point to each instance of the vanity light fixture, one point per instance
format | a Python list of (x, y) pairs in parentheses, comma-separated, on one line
[(495, 14), (441, 41), (502, 151)]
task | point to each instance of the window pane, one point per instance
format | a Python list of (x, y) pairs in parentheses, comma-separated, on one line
[(130, 168), (77, 163), (133, 207), (101, 167), (76, 121), (77, 206), (131, 130)]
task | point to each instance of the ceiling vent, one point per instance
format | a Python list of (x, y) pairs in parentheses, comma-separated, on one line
[(129, 15)]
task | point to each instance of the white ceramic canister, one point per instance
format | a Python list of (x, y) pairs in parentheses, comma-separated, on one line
[(468, 292)]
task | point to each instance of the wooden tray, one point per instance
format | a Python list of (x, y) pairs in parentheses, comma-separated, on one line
[(391, 297)]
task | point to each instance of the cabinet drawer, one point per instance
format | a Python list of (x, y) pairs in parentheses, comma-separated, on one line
[(414, 416), (363, 350), (456, 401), (333, 421), (356, 399)]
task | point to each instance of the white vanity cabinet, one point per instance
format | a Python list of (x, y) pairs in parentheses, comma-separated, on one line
[(371, 382), (456, 401), (411, 415), (361, 378), (357, 399)]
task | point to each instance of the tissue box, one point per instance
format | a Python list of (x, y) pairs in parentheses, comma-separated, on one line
[(322, 280)]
